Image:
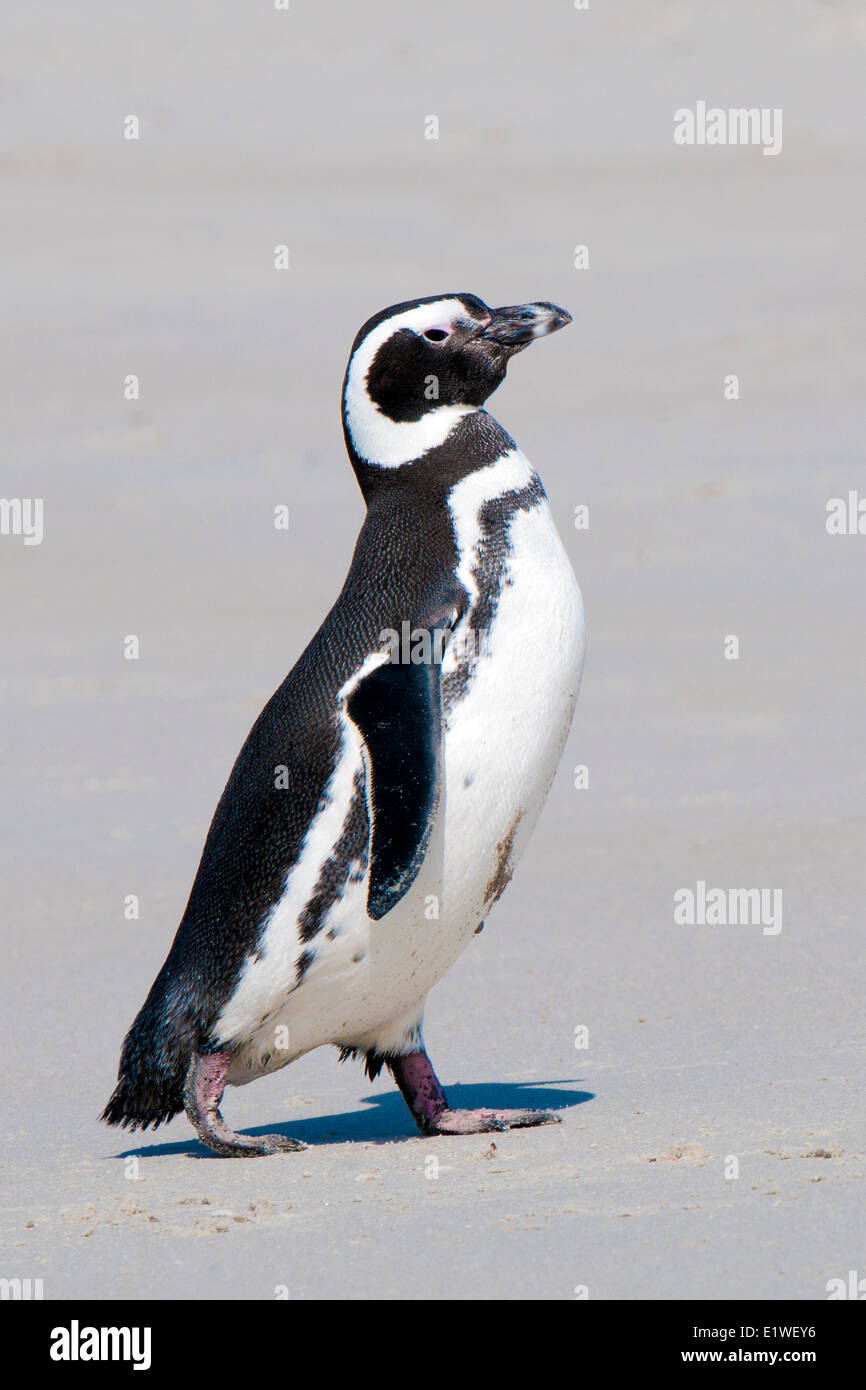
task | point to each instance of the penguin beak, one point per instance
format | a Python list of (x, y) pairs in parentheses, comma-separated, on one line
[(515, 325)]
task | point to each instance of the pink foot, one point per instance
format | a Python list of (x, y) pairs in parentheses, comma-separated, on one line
[(203, 1091), (424, 1096), (481, 1121)]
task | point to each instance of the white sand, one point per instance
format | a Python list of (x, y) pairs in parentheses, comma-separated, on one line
[(707, 518)]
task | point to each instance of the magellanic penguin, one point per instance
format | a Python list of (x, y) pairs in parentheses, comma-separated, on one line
[(387, 790)]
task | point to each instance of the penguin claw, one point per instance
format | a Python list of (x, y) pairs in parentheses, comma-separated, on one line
[(487, 1121), (278, 1143), (252, 1145), (525, 1119), (228, 1144)]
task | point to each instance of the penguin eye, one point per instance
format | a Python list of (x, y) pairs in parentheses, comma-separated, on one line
[(436, 335)]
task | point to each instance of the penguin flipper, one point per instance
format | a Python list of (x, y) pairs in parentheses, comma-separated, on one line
[(397, 708)]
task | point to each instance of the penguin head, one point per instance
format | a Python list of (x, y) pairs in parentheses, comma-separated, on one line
[(420, 366)]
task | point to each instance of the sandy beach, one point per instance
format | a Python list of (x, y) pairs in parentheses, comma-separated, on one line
[(669, 1048)]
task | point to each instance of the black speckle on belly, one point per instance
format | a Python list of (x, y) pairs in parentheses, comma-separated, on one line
[(305, 960)]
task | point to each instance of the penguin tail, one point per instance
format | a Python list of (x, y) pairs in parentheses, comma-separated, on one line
[(139, 1103), (154, 1061), (373, 1061)]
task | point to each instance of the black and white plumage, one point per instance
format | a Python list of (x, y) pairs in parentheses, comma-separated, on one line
[(327, 903)]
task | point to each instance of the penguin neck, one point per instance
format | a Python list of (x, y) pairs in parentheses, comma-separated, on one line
[(474, 441)]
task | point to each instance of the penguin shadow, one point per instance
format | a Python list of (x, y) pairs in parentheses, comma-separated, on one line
[(386, 1119)]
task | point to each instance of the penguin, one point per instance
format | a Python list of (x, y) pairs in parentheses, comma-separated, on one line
[(385, 794)]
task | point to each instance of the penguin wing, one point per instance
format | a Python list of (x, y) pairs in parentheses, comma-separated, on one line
[(397, 708)]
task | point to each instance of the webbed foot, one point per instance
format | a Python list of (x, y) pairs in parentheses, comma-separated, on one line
[(203, 1089)]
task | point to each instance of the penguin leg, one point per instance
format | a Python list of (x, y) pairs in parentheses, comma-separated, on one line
[(420, 1088), (202, 1093)]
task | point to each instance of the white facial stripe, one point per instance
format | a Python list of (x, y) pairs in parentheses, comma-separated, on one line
[(392, 442), (467, 498)]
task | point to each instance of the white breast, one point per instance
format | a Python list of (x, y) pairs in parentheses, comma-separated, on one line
[(504, 739)]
